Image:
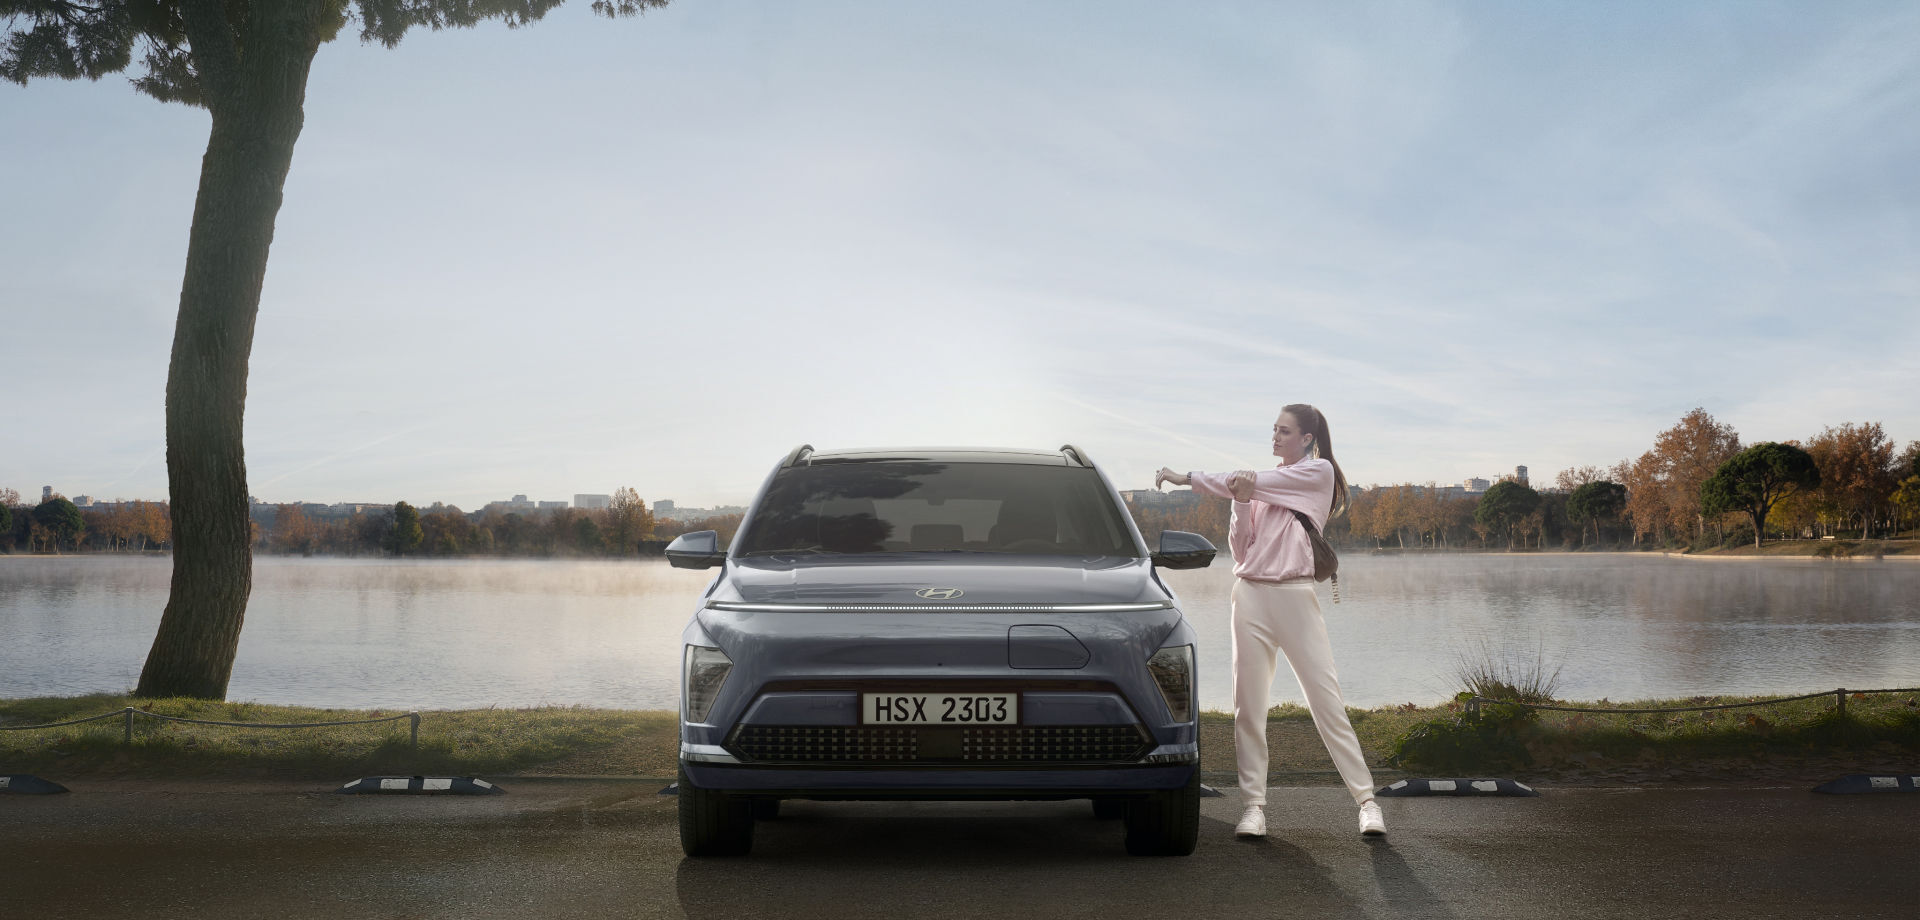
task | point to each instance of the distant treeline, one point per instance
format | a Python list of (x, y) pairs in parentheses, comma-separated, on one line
[(627, 528), (1697, 487), (1668, 497), (58, 526)]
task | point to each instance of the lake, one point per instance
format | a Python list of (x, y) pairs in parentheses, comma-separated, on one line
[(364, 633)]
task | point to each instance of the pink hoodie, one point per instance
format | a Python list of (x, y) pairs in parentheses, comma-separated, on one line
[(1267, 541)]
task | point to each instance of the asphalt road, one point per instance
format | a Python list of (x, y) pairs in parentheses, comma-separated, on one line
[(580, 848)]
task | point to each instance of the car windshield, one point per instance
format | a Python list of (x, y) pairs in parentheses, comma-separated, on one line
[(891, 506)]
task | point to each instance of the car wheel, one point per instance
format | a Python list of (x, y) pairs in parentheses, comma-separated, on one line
[(713, 823), (1109, 809), (766, 809), (1165, 823)]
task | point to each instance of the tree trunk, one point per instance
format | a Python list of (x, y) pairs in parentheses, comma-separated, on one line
[(255, 124)]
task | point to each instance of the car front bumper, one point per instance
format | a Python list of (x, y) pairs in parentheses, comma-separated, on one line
[(1063, 782)]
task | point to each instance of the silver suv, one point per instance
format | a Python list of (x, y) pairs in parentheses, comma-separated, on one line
[(938, 624)]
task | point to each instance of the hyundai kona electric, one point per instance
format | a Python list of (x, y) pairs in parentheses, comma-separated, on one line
[(938, 624)]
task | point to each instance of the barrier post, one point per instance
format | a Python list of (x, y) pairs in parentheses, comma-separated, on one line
[(1841, 695), (129, 715), (415, 717)]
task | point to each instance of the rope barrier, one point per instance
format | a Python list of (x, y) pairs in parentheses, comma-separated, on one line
[(21, 728), (129, 712), (155, 715), (1840, 693)]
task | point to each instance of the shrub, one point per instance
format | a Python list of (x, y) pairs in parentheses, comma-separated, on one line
[(1490, 738), (1507, 674)]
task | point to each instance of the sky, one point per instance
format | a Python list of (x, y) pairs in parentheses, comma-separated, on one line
[(661, 252)]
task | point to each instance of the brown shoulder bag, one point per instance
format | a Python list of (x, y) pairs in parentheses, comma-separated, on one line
[(1326, 563)]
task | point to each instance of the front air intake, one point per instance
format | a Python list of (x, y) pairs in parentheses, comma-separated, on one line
[(999, 745)]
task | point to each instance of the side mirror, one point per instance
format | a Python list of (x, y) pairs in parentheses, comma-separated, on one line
[(1181, 550), (699, 550)]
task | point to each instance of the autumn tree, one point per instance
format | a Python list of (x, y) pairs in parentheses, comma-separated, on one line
[(1686, 455), (115, 527), (628, 521), (1754, 480), (1596, 501), (1391, 518), (143, 523), (1505, 507), (1360, 514), (7, 498), (246, 63), (1569, 480), (1646, 498), (1857, 476), (292, 531)]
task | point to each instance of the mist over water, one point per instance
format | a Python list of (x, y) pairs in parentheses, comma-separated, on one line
[(472, 633)]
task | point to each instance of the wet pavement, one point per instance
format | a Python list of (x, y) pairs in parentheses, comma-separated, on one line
[(609, 848)]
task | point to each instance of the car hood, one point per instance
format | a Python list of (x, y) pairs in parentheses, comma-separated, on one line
[(895, 578)]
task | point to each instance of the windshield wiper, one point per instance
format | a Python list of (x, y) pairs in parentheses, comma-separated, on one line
[(795, 551)]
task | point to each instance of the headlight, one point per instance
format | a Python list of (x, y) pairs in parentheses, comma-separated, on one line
[(1172, 669), (706, 669)]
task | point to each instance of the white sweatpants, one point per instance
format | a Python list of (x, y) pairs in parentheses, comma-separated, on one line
[(1286, 617)]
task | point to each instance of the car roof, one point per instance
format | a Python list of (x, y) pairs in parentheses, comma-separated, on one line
[(939, 455)]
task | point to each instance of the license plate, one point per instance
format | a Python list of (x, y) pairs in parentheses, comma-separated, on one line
[(939, 708)]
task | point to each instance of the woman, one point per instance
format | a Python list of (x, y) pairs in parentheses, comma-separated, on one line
[(1275, 608)]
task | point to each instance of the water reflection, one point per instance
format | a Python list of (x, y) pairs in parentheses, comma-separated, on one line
[(523, 632)]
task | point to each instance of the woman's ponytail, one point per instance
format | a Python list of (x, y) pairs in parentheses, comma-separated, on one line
[(1315, 423)]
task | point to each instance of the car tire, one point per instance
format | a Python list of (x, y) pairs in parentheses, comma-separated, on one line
[(1109, 809), (1165, 823), (713, 823), (766, 809)]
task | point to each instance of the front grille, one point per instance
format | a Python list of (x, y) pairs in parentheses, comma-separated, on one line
[(998, 745)]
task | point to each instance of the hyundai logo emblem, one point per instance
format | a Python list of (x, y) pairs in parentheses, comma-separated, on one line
[(939, 594)]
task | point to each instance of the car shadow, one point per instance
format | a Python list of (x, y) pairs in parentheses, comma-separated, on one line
[(1044, 859)]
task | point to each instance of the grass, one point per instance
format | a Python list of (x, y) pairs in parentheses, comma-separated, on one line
[(459, 742), (576, 740), (1883, 724)]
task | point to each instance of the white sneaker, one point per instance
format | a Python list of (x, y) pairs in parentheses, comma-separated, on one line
[(1253, 823), (1371, 824)]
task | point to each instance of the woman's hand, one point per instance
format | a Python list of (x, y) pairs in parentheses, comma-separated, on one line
[(1242, 485), (1166, 474)]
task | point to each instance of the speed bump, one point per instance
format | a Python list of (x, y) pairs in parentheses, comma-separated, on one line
[(1861, 783), (28, 784), (1457, 787), (420, 785)]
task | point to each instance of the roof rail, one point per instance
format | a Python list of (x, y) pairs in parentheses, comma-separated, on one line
[(1076, 455), (799, 453)]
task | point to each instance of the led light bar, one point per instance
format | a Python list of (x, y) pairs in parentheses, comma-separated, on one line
[(949, 608)]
